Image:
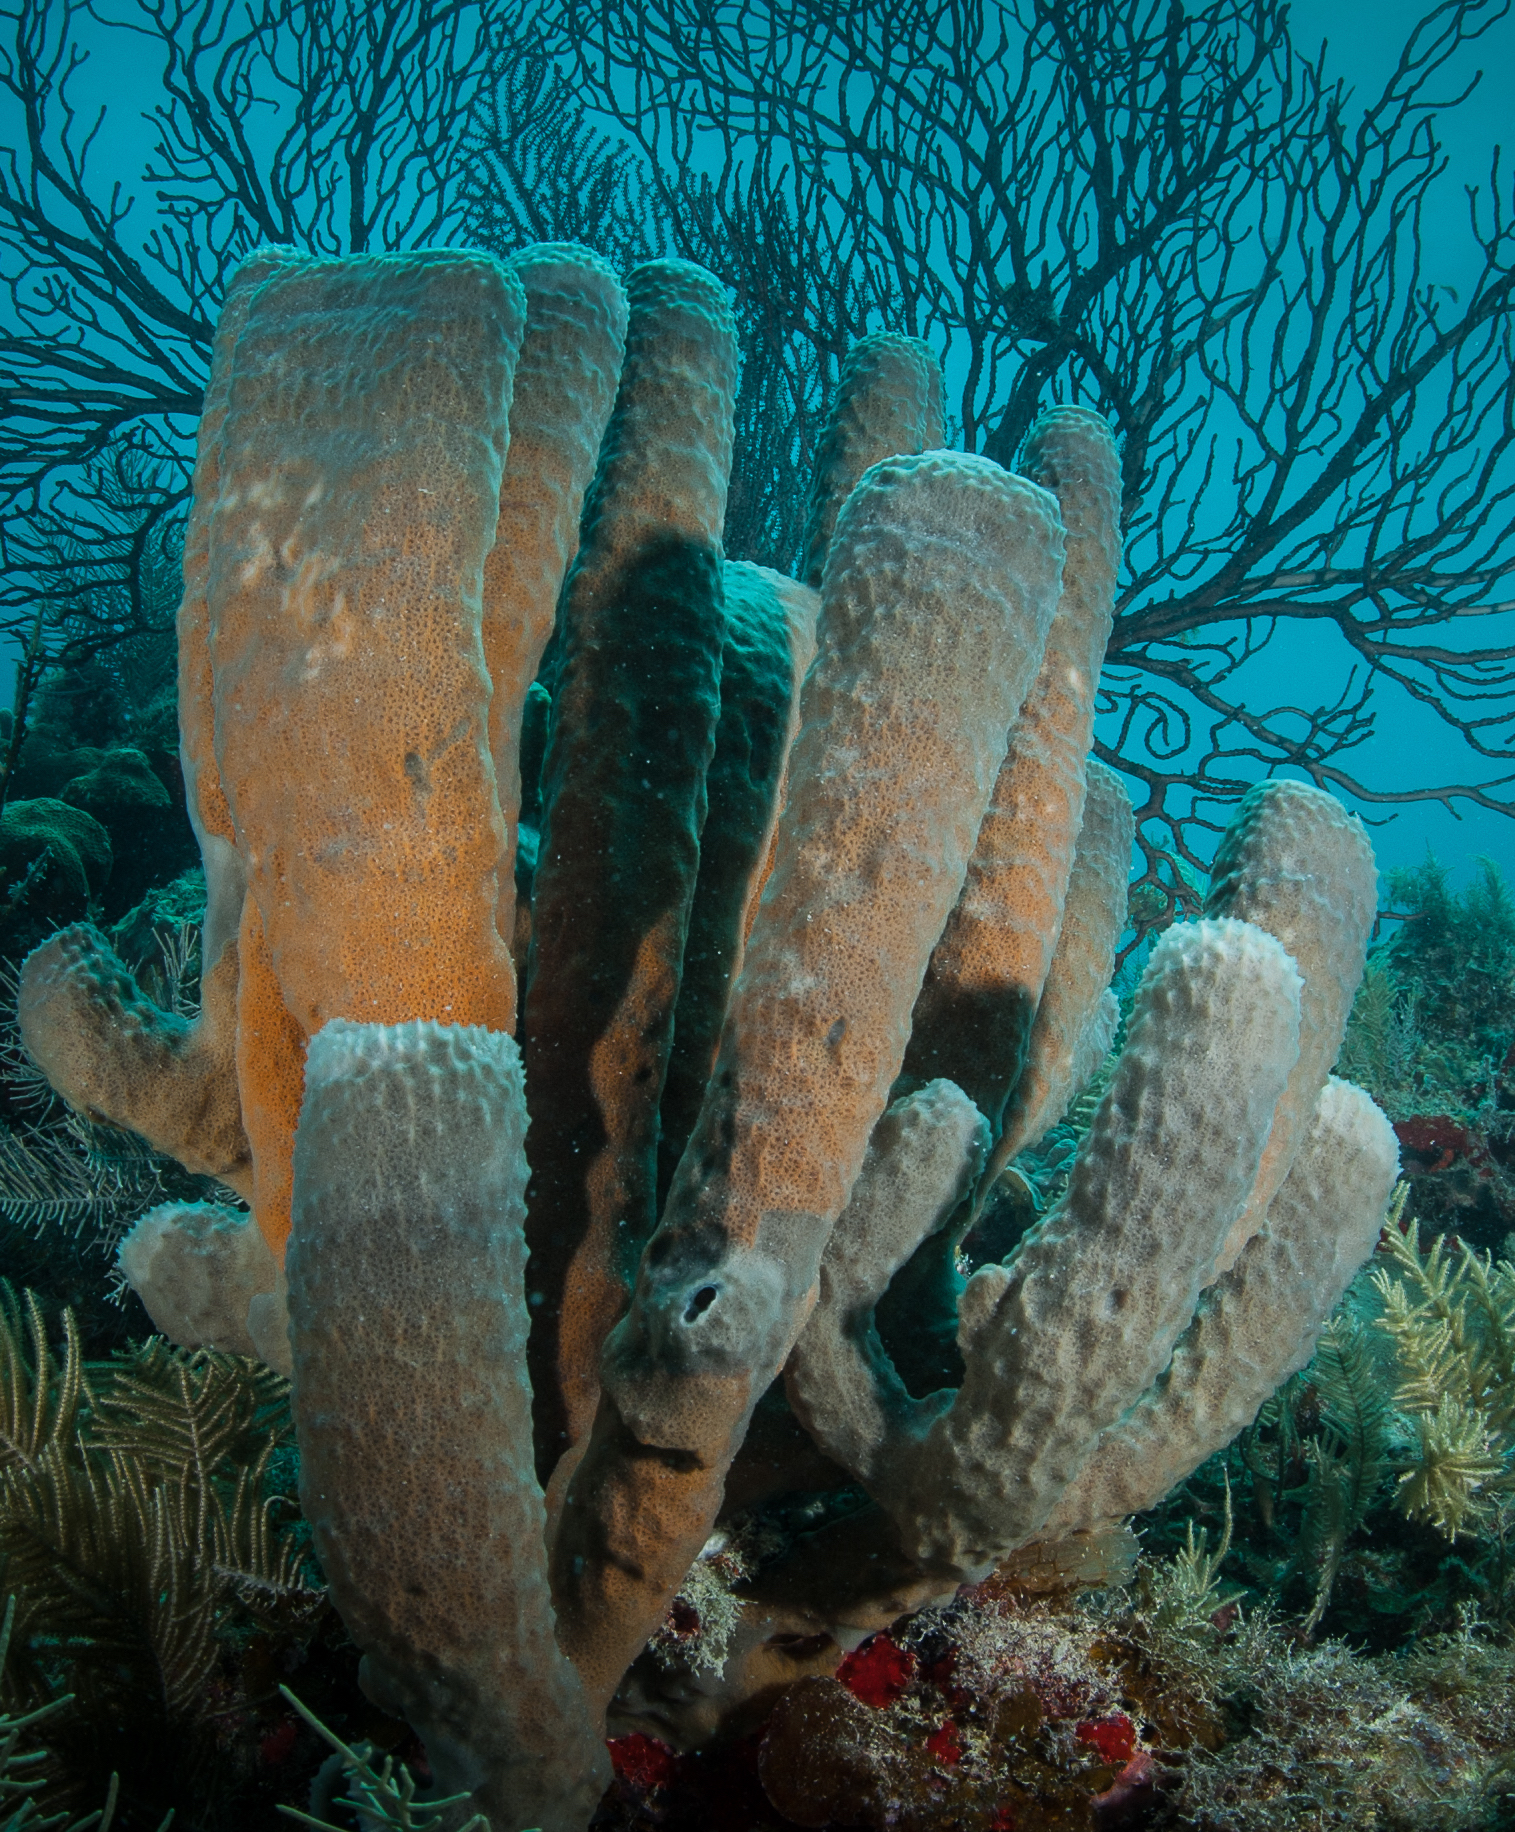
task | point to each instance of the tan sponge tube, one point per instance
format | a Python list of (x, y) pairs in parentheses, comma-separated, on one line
[(940, 585), (1074, 1014), (359, 484), (888, 403), (1259, 1323), (1295, 863), (394, 458), (102, 1043), (565, 383), (975, 1011)]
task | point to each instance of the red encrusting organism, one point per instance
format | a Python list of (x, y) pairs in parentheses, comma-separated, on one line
[(878, 1672), (945, 1745), (1114, 1737), (642, 1761)]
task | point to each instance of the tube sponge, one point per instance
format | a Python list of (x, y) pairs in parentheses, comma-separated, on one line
[(925, 1156), (197, 1267), (359, 480), (105, 1047), (888, 402), (225, 873), (270, 1076), (633, 730), (770, 642), (565, 383), (1259, 1323), (116, 1056), (981, 992), (408, 1324), (1295, 863), (1074, 1025), (941, 583), (1060, 1343)]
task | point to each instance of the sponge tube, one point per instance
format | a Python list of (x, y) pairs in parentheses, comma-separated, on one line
[(1062, 1341), (975, 1011), (116, 1056), (565, 383), (888, 403), (633, 730), (360, 465), (770, 642), (939, 588), (1094, 913), (408, 1326), (1295, 863), (1259, 1323)]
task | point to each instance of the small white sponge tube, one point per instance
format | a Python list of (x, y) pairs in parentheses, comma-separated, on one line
[(408, 1322), (1259, 1323), (197, 1266)]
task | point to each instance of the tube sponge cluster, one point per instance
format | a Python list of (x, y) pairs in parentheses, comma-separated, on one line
[(339, 719), (820, 936)]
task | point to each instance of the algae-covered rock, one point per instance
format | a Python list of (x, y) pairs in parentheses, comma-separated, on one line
[(122, 779), (125, 790), (48, 765), (79, 846)]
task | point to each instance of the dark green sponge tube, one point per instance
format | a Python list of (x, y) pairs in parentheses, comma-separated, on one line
[(770, 638), (624, 799)]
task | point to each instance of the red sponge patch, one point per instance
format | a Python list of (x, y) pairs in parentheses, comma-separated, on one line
[(878, 1672)]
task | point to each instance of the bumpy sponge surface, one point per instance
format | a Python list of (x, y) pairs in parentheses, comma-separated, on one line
[(1074, 1023), (1260, 1323), (633, 731), (225, 875), (408, 1324), (359, 477), (1295, 863), (116, 1056), (975, 1011), (1060, 1343), (939, 590), (565, 383), (888, 402), (197, 1267), (1099, 1294)]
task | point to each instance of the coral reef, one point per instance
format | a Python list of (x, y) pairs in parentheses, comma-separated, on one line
[(1160, 1703), (97, 779), (897, 946), (1431, 1037)]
